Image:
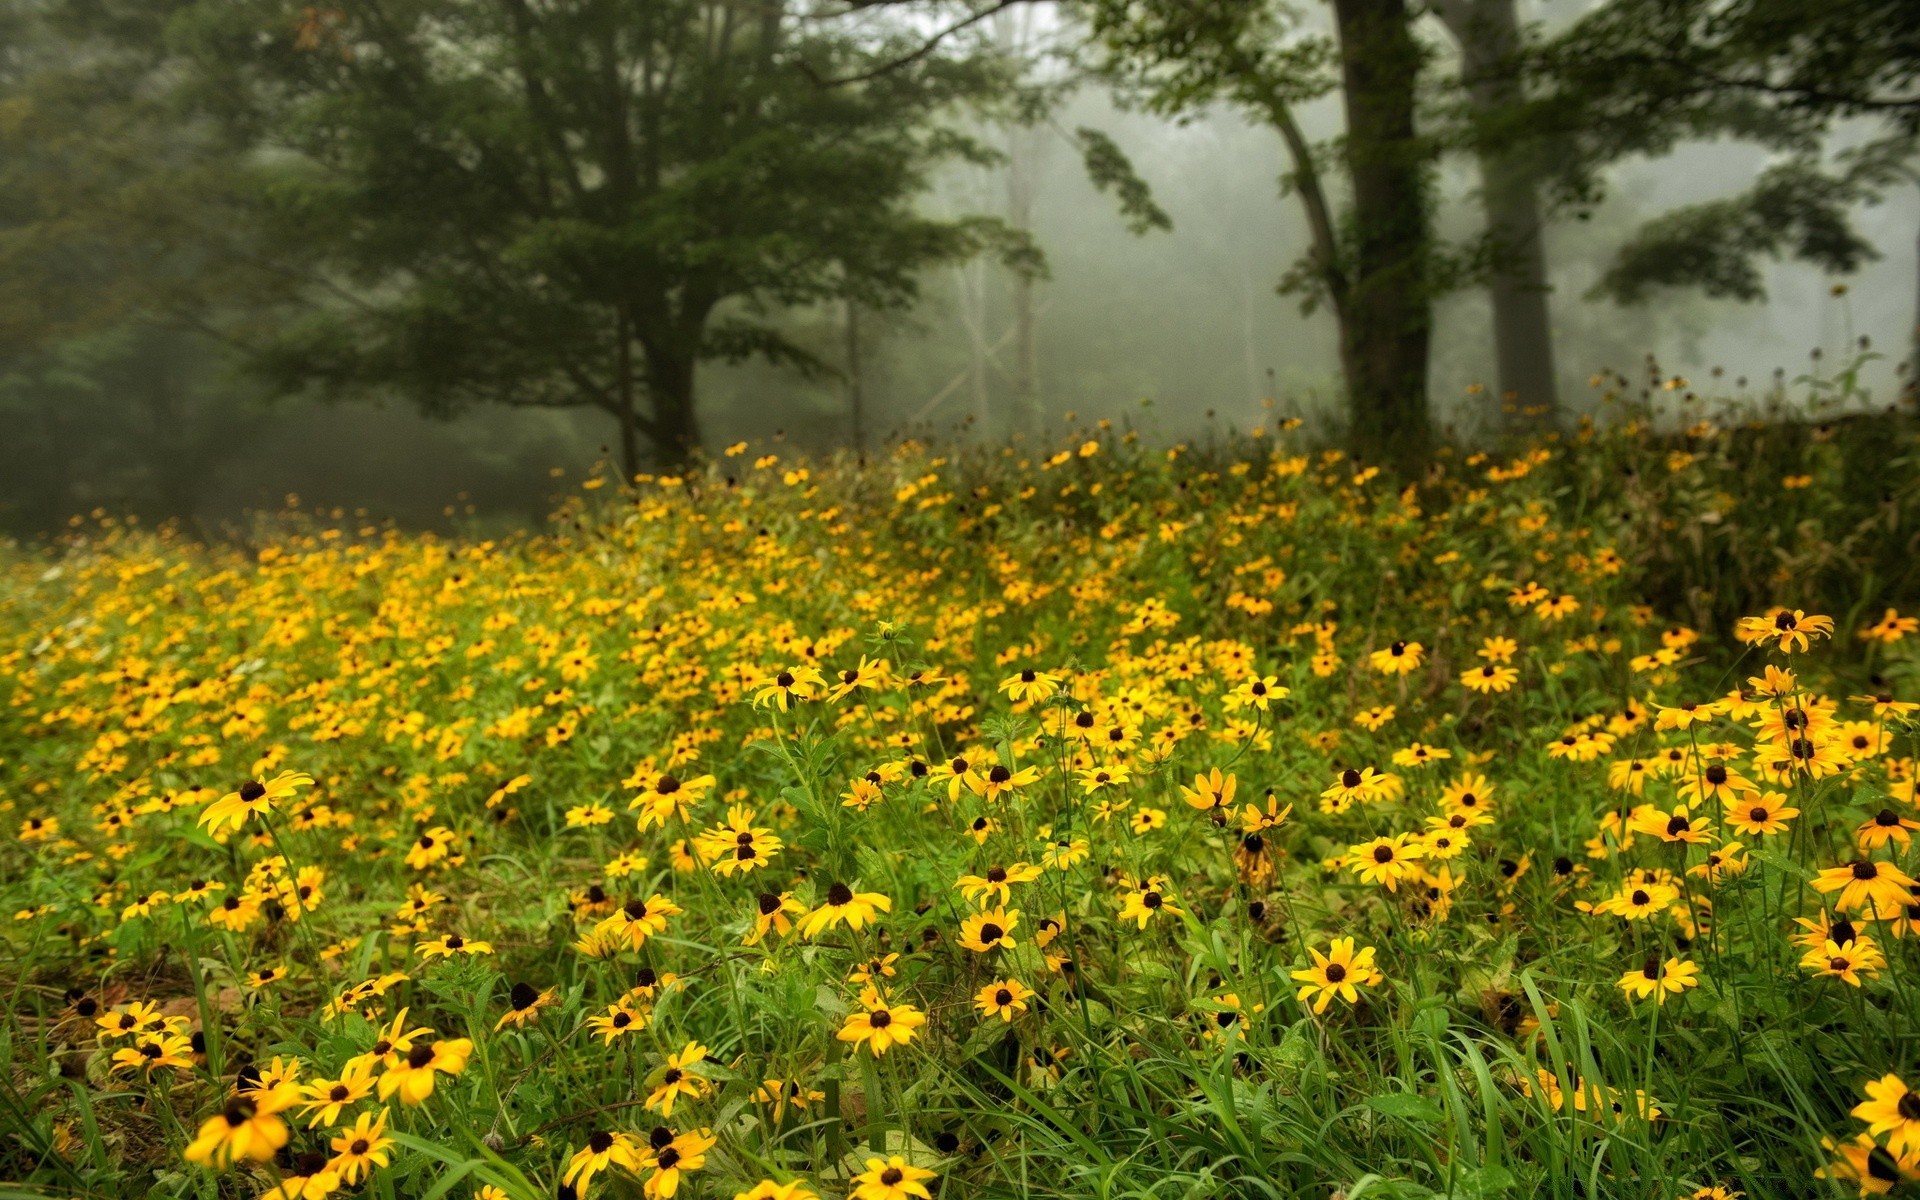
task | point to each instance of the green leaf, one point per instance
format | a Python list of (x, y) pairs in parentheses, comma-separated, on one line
[(1490, 1180), (1406, 1106), (1780, 862)]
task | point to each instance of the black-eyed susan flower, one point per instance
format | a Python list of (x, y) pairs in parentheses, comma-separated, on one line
[(358, 1149), (664, 796), (1758, 814), (892, 1178), (780, 1094), (1787, 629), (773, 913), (307, 1178), (990, 929), (1680, 825), (1150, 898), (451, 944), (135, 1016), (995, 884), (1258, 693), (1853, 964), (326, 1099), (247, 1127), (1867, 1165), (1029, 685), (413, 1076), (669, 1156), (1884, 828), (605, 1148), (1339, 972), (1386, 860), (880, 1024), (1004, 998), (1893, 1109), (1210, 791), (1639, 901), (621, 1017), (1489, 678), (153, 1050), (767, 1189), (1660, 980), (230, 812), (524, 1002), (1399, 658), (1865, 885), (844, 905), (678, 1078)]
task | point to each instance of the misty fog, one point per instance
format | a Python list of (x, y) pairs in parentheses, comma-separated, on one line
[(1170, 331)]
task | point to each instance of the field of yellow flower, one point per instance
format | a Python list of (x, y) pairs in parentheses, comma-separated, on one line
[(1102, 822)]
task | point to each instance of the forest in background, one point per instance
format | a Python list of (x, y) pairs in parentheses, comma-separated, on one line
[(1097, 221)]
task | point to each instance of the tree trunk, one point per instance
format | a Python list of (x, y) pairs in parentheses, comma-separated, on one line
[(1913, 352), (625, 414), (1488, 33), (676, 427), (1387, 328), (856, 398)]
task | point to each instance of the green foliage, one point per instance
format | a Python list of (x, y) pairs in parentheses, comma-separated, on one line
[(573, 204), (1636, 77), (1793, 210)]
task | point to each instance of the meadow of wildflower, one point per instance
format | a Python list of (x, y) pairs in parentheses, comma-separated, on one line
[(1095, 821)]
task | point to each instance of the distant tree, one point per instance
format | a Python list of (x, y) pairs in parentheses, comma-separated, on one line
[(1375, 266), (1638, 76), (1488, 33), (113, 208), (556, 203)]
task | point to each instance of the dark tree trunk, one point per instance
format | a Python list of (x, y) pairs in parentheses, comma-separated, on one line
[(856, 396), (1387, 327), (1913, 347), (625, 412), (676, 427), (1488, 33)]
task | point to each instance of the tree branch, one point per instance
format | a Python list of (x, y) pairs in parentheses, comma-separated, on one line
[(927, 47)]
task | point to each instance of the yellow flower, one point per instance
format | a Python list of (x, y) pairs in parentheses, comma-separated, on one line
[(604, 1149), (1338, 972), (990, 929), (1210, 791), (1401, 658), (247, 1128), (1004, 999), (1141, 904), (1660, 980), (1879, 888), (1029, 685), (891, 1179), (881, 1025), (413, 1076), (1386, 860), (995, 886), (669, 1156), (678, 1079), (231, 811), (1852, 964), (620, 1018), (1893, 1109), (361, 1148), (326, 1098), (767, 1189), (843, 904)]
